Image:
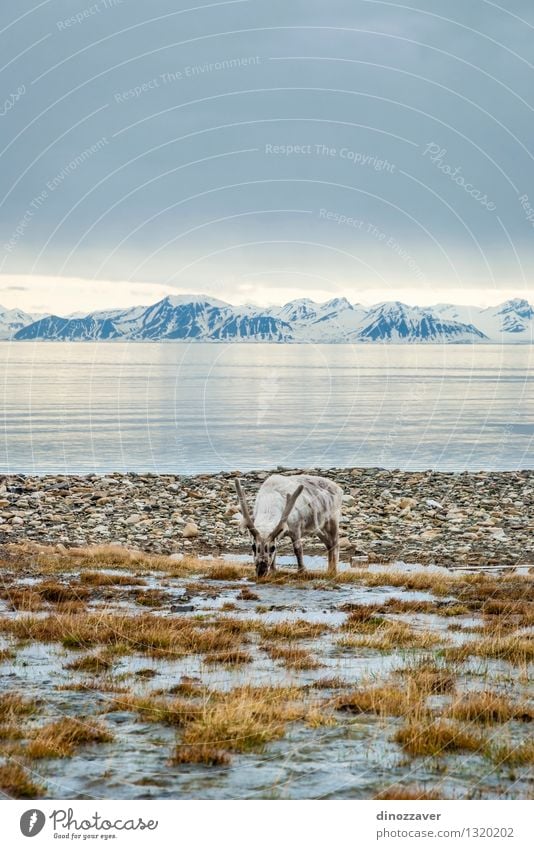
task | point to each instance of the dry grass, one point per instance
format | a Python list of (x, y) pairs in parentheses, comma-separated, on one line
[(488, 708), (517, 649), (421, 737), (292, 657), (7, 654), (231, 657), (245, 719), (435, 582), (186, 687), (143, 633), (512, 754), (23, 598), (199, 754), (55, 591), (150, 708), (14, 705), (389, 635), (298, 629), (95, 685), (10, 731), (428, 676), (398, 793), (60, 739), (92, 663), (15, 782), (248, 595), (105, 579), (108, 557), (219, 570), (385, 700), (150, 598), (329, 684), (239, 720)]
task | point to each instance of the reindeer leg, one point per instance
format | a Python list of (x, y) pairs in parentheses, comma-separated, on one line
[(332, 545), (297, 548)]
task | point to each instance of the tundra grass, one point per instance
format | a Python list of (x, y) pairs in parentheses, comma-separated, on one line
[(488, 708), (14, 705), (291, 657), (390, 635), (517, 649), (230, 657), (17, 782), (399, 792), (144, 633), (433, 737), (60, 739)]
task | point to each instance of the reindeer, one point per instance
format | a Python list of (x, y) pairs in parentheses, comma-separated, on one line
[(295, 504)]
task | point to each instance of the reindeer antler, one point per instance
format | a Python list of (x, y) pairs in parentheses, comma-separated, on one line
[(244, 508), (290, 503)]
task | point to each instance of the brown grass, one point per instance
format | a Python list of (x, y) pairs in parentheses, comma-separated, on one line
[(186, 687), (248, 595), (488, 708), (23, 598), (14, 705), (60, 739), (222, 571), (105, 579), (329, 684), (397, 792), (517, 649), (144, 633), (176, 712), (421, 737), (428, 676), (199, 754), (232, 657), (385, 700), (15, 782), (239, 720), (298, 629), (435, 582), (390, 635), (10, 731), (55, 591), (98, 685), (291, 656), (150, 598), (92, 663), (512, 754), (245, 719)]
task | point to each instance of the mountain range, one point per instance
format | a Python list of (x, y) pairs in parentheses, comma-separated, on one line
[(205, 319)]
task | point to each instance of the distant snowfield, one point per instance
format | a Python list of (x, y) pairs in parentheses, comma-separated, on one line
[(205, 319)]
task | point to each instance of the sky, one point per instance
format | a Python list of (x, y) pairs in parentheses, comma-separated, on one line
[(263, 151)]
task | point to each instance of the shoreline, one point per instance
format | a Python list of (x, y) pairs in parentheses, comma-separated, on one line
[(446, 518)]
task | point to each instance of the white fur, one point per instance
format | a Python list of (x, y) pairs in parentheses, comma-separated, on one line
[(318, 504)]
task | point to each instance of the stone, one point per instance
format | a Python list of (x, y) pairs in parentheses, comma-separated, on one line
[(190, 531)]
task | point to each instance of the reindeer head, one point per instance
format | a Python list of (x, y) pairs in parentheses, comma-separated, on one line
[(264, 545)]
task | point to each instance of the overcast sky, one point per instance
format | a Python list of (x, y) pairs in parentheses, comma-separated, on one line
[(261, 151)]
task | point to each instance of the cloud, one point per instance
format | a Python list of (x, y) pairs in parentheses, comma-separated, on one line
[(147, 171), (64, 296)]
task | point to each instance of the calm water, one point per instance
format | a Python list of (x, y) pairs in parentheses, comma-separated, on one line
[(184, 408)]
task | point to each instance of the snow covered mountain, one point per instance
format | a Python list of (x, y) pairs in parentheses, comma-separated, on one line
[(207, 319), (336, 320), (13, 320), (396, 322)]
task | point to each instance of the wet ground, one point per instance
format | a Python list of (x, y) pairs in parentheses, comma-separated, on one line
[(353, 756)]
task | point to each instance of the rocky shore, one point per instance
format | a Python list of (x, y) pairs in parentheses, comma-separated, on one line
[(482, 518)]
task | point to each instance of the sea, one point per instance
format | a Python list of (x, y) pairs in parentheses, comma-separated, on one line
[(188, 408)]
